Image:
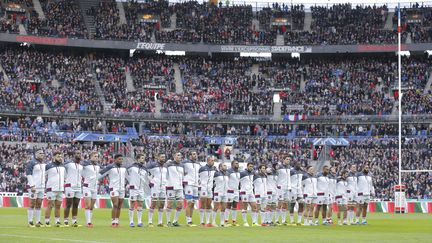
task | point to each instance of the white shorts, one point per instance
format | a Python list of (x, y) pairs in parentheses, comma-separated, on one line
[(295, 196), (340, 200), (283, 195), (73, 192), (56, 195), (272, 197), (220, 197), (233, 196), (136, 195), (361, 199), (38, 194), (158, 193), (321, 200), (309, 200), (247, 197), (191, 192), (174, 194), (351, 198), (88, 193), (261, 200), (119, 194), (206, 193)]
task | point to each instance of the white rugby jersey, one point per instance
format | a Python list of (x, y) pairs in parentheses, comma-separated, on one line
[(352, 183), (272, 179), (191, 169), (73, 175), (260, 184), (90, 174), (117, 176), (246, 182), (341, 188), (364, 184), (138, 177), (233, 180), (55, 174), (332, 184), (175, 175), (158, 174), (221, 182), (35, 171), (296, 180), (309, 184), (322, 184), (284, 177), (206, 174)]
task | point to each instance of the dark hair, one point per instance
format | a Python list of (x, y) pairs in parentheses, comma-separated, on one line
[(250, 163), (261, 165), (118, 156), (307, 167), (232, 162), (139, 155), (56, 152)]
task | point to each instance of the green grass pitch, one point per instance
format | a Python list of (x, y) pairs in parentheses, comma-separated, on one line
[(381, 228)]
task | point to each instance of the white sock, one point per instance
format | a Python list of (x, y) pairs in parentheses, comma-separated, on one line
[(74, 219), (47, 220), (222, 217), (244, 215), (363, 219), (150, 216), (57, 220), (208, 215), (176, 215), (263, 217), (273, 217), (160, 216), (291, 218), (168, 215), (233, 215), (277, 216), (139, 214), (91, 214), (188, 219), (214, 217), (88, 216), (117, 220), (131, 215), (226, 214), (269, 217), (201, 214), (37, 214), (30, 212), (254, 217), (299, 218), (283, 212)]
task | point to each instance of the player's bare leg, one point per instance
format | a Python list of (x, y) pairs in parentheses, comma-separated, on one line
[(69, 202), (151, 211), (316, 216), (324, 213), (89, 205), (244, 213), (114, 201), (300, 213), (168, 211), (364, 213), (75, 203), (291, 211), (48, 212), (119, 206), (131, 212), (329, 213), (179, 207), (139, 209), (37, 211), (254, 208), (30, 212), (161, 204), (189, 211), (208, 211)]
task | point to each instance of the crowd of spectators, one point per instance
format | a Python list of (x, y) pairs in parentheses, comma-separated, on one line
[(213, 24), (63, 18)]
